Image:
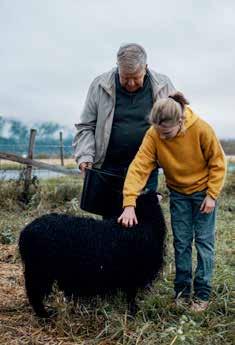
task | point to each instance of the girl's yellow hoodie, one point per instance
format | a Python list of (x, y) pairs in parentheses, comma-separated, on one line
[(192, 161)]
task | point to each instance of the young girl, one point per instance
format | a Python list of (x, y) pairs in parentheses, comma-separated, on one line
[(187, 149)]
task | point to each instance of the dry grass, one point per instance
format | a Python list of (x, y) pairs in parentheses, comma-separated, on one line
[(9, 165), (107, 323)]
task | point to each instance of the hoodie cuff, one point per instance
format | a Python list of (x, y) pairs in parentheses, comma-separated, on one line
[(212, 195), (129, 201)]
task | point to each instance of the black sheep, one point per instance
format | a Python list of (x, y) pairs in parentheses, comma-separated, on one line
[(89, 257)]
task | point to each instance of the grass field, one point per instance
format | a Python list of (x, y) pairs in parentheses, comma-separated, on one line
[(157, 321)]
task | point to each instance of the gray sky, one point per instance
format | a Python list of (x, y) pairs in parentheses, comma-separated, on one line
[(50, 51)]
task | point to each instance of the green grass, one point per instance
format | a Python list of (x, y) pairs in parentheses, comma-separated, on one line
[(107, 322)]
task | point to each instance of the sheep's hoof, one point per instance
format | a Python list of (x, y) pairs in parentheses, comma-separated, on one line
[(46, 314), (133, 309), (43, 315)]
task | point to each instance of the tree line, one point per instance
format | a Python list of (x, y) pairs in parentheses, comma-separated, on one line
[(14, 136)]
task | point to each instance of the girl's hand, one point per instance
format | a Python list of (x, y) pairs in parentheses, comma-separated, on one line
[(128, 217), (207, 205)]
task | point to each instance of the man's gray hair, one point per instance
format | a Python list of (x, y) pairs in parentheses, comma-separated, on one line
[(131, 56)]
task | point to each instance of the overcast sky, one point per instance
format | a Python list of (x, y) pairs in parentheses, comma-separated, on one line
[(50, 51)]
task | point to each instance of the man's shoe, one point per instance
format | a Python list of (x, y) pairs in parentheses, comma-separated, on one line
[(198, 305)]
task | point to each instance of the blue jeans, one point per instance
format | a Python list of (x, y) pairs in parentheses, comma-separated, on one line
[(189, 224), (152, 182)]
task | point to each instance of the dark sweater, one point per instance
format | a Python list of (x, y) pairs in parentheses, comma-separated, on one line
[(129, 124)]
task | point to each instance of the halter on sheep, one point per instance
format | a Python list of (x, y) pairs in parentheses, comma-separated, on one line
[(89, 257)]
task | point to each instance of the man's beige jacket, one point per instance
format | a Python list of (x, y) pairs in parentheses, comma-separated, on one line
[(94, 128)]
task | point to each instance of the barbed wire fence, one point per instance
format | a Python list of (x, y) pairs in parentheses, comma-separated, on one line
[(51, 153)]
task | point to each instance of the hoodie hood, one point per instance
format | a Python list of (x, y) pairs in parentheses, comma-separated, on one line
[(190, 118)]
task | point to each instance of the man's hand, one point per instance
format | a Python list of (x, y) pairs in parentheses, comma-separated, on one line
[(128, 217), (83, 166), (207, 205)]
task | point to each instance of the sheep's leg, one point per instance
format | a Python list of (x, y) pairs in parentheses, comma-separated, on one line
[(37, 287), (70, 291), (132, 306), (35, 297)]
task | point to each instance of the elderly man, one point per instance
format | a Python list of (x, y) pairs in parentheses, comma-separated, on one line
[(115, 116)]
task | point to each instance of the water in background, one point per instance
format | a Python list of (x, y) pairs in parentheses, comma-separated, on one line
[(40, 173), (45, 174)]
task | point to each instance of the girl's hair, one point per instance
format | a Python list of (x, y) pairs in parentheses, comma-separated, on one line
[(168, 110)]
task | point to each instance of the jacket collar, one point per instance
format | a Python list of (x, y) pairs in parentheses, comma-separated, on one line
[(107, 82), (156, 82)]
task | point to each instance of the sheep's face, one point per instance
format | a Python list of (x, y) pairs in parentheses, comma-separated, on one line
[(147, 207)]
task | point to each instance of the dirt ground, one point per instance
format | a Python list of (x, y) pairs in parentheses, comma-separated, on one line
[(18, 326)]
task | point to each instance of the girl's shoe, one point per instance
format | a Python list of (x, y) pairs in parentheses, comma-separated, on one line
[(198, 305), (159, 196)]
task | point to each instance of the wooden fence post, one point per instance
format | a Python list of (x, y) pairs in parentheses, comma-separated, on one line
[(28, 171), (61, 149)]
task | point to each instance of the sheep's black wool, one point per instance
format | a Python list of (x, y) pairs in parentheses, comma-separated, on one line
[(89, 257)]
